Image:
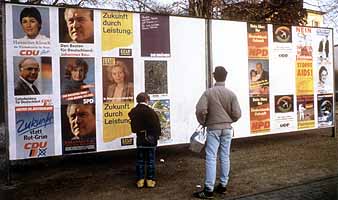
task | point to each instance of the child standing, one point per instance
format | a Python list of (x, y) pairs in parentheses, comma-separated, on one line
[(146, 124)]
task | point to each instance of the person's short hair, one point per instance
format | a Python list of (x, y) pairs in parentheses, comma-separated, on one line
[(27, 58), (122, 65), (31, 12), (90, 12), (220, 74), (142, 97), (259, 64), (77, 105), (79, 62)]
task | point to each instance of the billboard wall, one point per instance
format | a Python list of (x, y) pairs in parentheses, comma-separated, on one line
[(72, 81)]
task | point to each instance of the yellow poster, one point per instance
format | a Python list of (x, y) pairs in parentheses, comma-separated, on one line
[(116, 122), (117, 29), (304, 77)]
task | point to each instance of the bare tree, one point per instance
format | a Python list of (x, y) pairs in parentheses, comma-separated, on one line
[(330, 8), (264, 11)]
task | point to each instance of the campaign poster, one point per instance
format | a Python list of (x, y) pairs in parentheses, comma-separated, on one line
[(305, 111), (323, 60), (155, 35), (282, 34), (32, 75), (34, 131), (303, 40), (117, 79), (78, 125), (117, 31), (77, 76), (162, 109), (284, 118), (325, 82), (31, 30), (282, 47), (258, 41), (116, 122), (325, 110), (259, 114), (258, 77), (323, 45), (156, 77), (76, 32), (304, 77)]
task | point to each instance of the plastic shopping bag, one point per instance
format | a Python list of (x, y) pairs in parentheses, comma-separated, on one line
[(197, 140)]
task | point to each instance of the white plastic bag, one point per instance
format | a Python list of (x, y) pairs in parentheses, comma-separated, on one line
[(197, 140)]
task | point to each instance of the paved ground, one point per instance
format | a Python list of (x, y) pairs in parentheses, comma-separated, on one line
[(323, 189), (295, 166)]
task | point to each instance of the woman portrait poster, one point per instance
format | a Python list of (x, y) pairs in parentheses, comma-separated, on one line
[(31, 23), (117, 79)]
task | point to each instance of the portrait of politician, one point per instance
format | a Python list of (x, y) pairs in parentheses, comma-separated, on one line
[(73, 81), (81, 118), (29, 70), (79, 24), (75, 74), (120, 88), (30, 20)]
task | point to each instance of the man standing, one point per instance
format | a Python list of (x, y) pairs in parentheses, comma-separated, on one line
[(216, 109), (29, 71), (80, 25)]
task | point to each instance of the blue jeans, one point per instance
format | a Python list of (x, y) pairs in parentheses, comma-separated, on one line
[(145, 158), (220, 138)]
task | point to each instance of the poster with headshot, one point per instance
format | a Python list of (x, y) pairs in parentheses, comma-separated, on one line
[(32, 75), (322, 60), (284, 116), (31, 27), (162, 109), (259, 77), (324, 83), (305, 111), (155, 35), (117, 31), (34, 131), (76, 32), (156, 77), (118, 97), (78, 125), (77, 77), (76, 25), (117, 79), (325, 110)]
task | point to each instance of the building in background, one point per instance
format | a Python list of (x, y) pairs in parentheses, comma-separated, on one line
[(315, 17)]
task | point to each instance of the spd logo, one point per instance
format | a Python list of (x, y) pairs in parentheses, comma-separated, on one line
[(36, 149)]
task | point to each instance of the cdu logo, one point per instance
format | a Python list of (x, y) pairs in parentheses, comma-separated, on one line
[(36, 149)]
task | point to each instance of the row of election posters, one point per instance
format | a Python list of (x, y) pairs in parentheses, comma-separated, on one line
[(73, 75)]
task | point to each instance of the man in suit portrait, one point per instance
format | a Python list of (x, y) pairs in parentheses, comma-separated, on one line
[(262, 75), (29, 70)]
